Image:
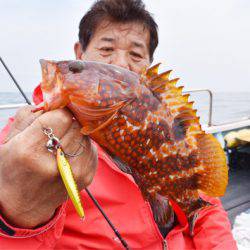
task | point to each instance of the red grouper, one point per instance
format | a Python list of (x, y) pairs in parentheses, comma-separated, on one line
[(148, 124)]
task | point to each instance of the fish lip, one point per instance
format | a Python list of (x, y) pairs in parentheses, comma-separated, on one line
[(43, 63)]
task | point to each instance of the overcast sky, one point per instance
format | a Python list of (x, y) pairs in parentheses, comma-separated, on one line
[(206, 43)]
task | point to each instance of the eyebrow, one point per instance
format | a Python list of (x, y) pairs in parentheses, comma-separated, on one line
[(107, 39), (138, 45), (135, 44)]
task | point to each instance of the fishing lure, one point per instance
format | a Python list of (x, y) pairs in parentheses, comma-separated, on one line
[(54, 146)]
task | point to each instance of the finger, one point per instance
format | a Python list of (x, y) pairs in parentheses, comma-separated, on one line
[(84, 162), (75, 146), (72, 138), (32, 140), (59, 120), (33, 137), (87, 164), (23, 119)]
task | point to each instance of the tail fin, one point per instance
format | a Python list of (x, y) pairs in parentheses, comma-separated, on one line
[(214, 180)]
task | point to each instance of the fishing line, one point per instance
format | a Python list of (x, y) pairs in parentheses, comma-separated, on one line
[(124, 243)]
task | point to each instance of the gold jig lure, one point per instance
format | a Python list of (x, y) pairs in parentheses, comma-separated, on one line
[(54, 146), (68, 180)]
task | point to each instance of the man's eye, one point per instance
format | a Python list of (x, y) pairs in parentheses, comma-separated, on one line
[(107, 49), (137, 55)]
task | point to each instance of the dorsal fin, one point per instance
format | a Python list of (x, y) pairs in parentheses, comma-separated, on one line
[(181, 123), (157, 82), (161, 78), (190, 104), (172, 97), (153, 71), (160, 82)]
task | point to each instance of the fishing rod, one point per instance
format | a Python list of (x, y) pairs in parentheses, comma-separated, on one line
[(14, 80), (124, 243)]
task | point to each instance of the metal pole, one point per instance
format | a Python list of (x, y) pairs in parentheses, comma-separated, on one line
[(210, 111), (14, 80)]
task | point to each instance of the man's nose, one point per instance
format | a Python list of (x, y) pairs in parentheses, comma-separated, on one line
[(120, 59)]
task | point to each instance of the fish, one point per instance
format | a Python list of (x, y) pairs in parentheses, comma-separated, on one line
[(145, 121)]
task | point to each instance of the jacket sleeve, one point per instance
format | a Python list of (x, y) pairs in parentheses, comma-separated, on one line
[(43, 237), (212, 228)]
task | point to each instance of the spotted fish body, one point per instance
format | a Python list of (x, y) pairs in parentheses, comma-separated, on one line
[(146, 122)]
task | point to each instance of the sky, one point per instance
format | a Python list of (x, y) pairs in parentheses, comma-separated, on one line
[(205, 43)]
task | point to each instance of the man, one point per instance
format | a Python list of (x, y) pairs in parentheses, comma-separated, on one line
[(32, 199)]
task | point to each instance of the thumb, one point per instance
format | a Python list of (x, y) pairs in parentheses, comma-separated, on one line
[(23, 118)]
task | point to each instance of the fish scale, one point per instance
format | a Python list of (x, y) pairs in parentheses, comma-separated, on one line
[(147, 123)]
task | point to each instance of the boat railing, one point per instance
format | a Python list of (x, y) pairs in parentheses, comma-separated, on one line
[(12, 106), (210, 111), (209, 127)]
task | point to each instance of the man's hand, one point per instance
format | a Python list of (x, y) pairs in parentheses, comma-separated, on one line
[(30, 184)]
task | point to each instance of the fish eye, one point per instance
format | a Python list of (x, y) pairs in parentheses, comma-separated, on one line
[(76, 66)]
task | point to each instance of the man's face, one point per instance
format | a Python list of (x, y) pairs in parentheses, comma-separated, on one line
[(122, 44)]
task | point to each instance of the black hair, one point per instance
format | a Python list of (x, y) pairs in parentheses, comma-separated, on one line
[(123, 11)]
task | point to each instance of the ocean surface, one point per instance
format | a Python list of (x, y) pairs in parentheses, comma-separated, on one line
[(227, 106)]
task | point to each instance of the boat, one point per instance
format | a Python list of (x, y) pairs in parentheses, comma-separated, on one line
[(237, 197)]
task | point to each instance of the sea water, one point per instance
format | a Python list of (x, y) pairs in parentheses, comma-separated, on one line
[(227, 106)]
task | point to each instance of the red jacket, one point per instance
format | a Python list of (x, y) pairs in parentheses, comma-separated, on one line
[(122, 201)]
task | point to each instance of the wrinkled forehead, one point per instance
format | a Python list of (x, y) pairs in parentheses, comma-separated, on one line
[(120, 30), (128, 34)]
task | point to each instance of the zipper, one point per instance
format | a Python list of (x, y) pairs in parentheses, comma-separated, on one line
[(164, 244), (164, 241)]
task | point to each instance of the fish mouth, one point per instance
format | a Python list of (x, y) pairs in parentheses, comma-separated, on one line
[(48, 74), (42, 62)]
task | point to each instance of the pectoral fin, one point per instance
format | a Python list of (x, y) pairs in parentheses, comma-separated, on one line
[(96, 117), (91, 128)]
